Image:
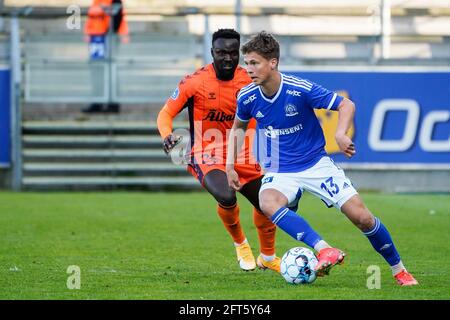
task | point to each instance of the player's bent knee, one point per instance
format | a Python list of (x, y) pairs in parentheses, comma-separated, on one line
[(226, 200), (267, 209), (366, 221), (270, 201), (357, 212)]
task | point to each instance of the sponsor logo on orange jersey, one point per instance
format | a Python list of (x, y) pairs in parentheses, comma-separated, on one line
[(220, 116)]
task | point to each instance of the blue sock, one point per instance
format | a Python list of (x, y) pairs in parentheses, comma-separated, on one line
[(294, 225), (382, 242)]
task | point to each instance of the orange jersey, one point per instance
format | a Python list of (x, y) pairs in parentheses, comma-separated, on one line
[(97, 22), (211, 106)]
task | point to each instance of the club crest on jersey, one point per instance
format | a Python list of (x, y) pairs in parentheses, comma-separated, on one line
[(175, 94), (290, 110)]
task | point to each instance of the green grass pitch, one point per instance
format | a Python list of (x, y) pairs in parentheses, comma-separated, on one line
[(173, 246)]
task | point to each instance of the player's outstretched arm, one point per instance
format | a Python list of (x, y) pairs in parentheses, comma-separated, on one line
[(346, 111), (165, 124), (235, 142)]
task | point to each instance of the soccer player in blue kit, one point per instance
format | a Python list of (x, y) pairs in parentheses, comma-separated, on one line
[(292, 153)]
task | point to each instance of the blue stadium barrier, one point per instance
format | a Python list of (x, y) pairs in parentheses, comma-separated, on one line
[(5, 158), (401, 117)]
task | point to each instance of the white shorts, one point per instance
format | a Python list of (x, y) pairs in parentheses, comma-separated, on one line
[(325, 180)]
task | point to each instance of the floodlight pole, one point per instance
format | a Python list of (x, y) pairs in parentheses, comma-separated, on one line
[(16, 112), (206, 41), (112, 11), (238, 13), (385, 29), (15, 103)]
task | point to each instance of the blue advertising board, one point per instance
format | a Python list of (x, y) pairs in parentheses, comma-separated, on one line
[(4, 117), (401, 117)]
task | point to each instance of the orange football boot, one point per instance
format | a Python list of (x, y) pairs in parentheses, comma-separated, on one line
[(328, 258), (404, 278)]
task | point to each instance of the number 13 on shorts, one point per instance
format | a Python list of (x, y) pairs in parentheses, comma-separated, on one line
[(330, 187)]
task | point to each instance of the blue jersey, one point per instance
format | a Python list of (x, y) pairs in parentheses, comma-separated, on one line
[(289, 138)]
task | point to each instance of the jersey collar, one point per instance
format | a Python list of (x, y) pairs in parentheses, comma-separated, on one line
[(276, 95)]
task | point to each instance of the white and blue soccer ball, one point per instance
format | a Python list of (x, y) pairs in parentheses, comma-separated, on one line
[(297, 266)]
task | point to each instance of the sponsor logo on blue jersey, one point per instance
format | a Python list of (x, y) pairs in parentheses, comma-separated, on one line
[(273, 133), (293, 92), (250, 99)]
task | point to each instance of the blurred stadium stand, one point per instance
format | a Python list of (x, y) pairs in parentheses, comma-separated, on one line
[(145, 70), (64, 149), (99, 155)]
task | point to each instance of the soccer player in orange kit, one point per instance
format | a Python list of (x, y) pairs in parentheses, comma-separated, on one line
[(210, 96)]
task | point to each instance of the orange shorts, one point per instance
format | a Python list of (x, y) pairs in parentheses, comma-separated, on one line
[(247, 172)]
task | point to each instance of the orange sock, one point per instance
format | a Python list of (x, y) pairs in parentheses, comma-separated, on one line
[(266, 232), (230, 219)]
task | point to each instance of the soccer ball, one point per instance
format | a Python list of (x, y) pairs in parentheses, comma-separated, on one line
[(297, 266)]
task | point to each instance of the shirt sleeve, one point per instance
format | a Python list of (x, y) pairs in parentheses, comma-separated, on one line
[(182, 93), (164, 122), (242, 112), (322, 98)]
